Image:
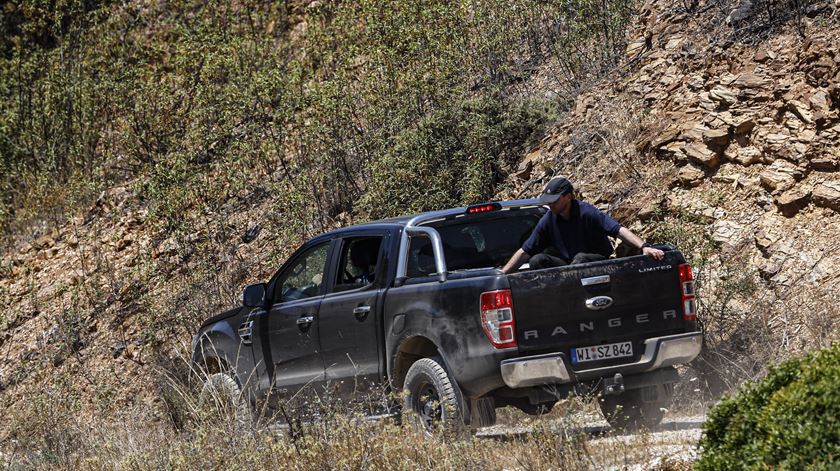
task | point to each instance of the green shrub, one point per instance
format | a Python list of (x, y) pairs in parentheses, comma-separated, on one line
[(789, 420), (452, 157)]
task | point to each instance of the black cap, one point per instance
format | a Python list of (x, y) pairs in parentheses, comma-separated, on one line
[(553, 190)]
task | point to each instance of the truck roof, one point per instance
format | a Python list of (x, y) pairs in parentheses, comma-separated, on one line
[(420, 218)]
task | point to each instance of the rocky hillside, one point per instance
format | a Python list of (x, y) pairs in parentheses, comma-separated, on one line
[(717, 131), (722, 138)]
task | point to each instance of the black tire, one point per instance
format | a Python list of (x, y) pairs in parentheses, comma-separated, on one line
[(630, 411), (221, 399), (482, 413), (434, 398), (536, 409)]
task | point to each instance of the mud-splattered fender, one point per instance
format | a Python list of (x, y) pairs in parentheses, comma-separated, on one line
[(447, 314), (219, 341)]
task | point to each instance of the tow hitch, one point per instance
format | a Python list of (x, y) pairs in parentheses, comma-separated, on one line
[(619, 383), (614, 385)]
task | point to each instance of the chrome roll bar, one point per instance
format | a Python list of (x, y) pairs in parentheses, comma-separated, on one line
[(414, 227)]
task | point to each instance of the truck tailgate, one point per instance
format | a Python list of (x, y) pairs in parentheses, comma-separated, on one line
[(628, 299)]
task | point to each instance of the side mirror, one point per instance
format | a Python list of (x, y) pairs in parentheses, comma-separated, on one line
[(254, 296)]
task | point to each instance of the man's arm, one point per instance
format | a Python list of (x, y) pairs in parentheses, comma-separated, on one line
[(635, 241), (535, 243), (516, 261)]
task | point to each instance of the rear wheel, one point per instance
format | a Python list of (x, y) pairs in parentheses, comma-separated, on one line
[(434, 397), (482, 413), (536, 409), (637, 408)]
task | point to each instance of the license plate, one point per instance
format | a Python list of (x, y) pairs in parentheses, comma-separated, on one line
[(602, 352)]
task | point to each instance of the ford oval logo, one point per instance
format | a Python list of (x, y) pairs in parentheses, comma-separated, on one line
[(599, 302)]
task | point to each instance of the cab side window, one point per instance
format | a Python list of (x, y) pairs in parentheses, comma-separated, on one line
[(421, 258), (358, 263), (304, 278)]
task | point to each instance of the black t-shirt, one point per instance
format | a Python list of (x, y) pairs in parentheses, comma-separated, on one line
[(586, 231)]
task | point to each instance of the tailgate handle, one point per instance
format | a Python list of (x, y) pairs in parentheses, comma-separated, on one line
[(595, 280)]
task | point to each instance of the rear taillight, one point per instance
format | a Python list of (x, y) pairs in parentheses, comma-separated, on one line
[(687, 284), (497, 318)]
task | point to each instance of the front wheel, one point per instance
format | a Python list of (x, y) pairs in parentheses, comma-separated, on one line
[(222, 399), (434, 397)]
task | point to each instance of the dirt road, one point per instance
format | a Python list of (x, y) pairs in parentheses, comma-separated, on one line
[(673, 443)]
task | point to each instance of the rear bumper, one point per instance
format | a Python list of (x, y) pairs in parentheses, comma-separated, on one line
[(553, 368)]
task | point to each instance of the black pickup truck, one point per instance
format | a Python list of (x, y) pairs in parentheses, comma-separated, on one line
[(418, 304)]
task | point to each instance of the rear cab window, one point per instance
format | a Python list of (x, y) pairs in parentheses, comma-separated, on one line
[(473, 241)]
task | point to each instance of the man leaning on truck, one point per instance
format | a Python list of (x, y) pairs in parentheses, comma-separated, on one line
[(572, 232)]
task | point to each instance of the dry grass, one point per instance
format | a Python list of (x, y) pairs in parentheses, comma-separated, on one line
[(49, 433)]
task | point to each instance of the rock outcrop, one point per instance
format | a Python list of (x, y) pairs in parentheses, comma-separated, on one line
[(740, 132)]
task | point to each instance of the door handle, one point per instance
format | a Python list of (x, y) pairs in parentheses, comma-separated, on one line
[(305, 321), (361, 312)]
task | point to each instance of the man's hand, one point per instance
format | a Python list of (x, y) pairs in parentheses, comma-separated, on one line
[(635, 241), (655, 253)]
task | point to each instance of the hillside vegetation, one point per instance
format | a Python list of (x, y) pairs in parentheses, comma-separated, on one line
[(156, 156), (161, 154), (351, 107)]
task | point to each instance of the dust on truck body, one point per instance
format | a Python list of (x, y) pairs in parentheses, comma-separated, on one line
[(417, 303)]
